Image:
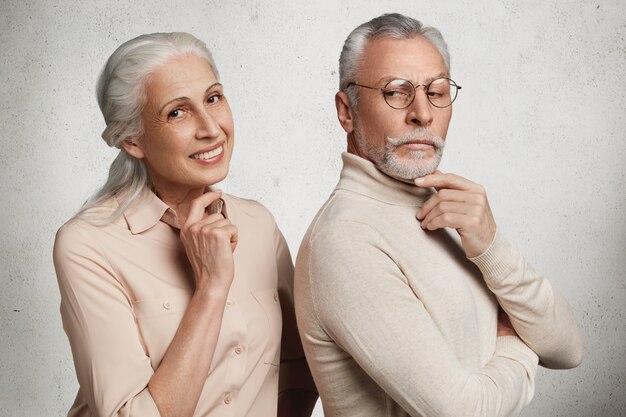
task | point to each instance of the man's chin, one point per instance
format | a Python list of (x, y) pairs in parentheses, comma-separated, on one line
[(407, 171)]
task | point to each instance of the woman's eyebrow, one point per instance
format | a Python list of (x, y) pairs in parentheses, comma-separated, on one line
[(183, 98), (172, 101)]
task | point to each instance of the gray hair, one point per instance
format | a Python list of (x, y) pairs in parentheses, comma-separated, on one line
[(392, 25), (121, 96)]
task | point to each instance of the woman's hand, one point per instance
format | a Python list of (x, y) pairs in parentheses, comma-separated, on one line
[(209, 242)]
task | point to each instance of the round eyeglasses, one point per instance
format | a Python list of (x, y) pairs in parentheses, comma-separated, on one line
[(399, 94)]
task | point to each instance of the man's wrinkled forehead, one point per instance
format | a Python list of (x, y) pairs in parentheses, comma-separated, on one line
[(415, 59)]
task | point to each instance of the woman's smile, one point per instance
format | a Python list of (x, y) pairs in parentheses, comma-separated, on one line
[(211, 156)]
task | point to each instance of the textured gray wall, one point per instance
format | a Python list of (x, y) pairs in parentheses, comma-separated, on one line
[(540, 122)]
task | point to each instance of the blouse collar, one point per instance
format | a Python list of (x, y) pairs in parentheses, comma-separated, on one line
[(148, 209)]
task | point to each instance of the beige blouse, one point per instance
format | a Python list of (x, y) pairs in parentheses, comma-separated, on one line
[(125, 286)]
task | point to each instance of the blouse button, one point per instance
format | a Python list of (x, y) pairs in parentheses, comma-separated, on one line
[(229, 303), (228, 398), (276, 297), (167, 305), (238, 350)]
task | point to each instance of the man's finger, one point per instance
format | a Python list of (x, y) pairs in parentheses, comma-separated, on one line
[(445, 207), (440, 180), (441, 195), (451, 220)]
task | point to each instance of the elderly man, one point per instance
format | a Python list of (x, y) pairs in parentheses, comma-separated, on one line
[(397, 318)]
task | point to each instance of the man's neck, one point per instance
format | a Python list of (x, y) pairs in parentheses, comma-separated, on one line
[(353, 150)]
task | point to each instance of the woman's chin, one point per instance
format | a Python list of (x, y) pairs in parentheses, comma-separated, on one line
[(214, 178)]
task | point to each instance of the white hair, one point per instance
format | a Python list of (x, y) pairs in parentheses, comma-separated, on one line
[(121, 94), (392, 25)]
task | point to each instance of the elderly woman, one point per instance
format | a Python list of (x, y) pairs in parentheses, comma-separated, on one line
[(174, 295)]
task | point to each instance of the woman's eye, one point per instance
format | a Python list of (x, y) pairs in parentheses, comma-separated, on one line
[(175, 114), (215, 98)]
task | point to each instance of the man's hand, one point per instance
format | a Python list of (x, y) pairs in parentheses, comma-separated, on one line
[(461, 204), (505, 328)]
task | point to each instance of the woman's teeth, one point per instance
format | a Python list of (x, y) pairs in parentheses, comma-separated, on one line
[(208, 155)]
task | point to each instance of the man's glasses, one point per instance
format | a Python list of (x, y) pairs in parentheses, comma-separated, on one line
[(399, 94)]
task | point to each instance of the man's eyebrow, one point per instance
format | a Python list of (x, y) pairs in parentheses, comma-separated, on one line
[(440, 75), (427, 81), (183, 98)]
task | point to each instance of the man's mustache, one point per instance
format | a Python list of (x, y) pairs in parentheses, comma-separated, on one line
[(420, 134)]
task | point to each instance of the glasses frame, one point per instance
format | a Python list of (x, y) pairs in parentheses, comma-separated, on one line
[(415, 87)]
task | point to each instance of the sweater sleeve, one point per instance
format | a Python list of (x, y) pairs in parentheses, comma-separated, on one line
[(112, 368), (364, 303), (539, 313), (294, 371)]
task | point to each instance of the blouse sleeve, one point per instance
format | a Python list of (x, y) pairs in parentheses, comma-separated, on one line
[(294, 371), (112, 367)]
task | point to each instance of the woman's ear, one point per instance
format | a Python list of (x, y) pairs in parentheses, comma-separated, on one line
[(133, 148), (344, 111)]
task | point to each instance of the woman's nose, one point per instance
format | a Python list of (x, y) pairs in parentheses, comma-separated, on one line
[(207, 126)]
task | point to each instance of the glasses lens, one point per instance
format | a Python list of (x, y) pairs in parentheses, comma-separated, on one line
[(442, 92), (399, 93)]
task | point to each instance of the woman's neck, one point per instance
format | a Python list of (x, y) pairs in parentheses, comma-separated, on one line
[(179, 199)]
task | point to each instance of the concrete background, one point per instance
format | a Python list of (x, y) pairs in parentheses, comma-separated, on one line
[(540, 122)]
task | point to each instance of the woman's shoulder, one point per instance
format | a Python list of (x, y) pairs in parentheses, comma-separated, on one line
[(86, 224), (75, 240), (247, 207)]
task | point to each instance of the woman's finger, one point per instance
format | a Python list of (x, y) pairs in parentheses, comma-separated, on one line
[(202, 229), (234, 236), (198, 206)]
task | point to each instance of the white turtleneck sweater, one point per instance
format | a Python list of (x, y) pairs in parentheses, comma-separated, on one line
[(396, 321)]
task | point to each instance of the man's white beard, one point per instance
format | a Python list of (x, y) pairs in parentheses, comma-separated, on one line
[(415, 165)]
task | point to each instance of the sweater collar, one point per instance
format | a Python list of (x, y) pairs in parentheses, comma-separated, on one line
[(361, 176)]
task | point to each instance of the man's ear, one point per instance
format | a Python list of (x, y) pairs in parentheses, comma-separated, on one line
[(133, 148), (344, 111)]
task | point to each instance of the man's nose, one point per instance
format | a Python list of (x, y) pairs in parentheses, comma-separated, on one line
[(207, 126), (420, 111)]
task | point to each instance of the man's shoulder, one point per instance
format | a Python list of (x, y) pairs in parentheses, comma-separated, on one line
[(345, 215)]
